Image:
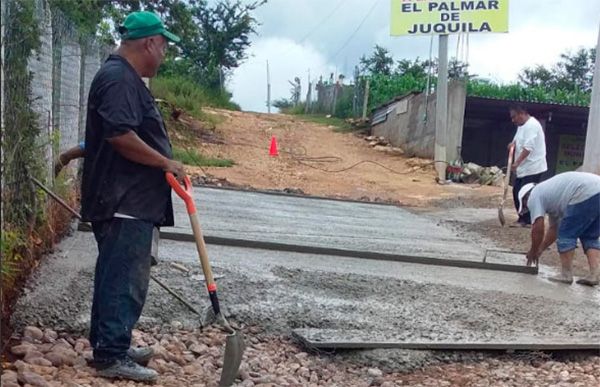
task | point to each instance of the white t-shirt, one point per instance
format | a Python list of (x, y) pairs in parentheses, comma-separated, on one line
[(554, 195), (531, 136)]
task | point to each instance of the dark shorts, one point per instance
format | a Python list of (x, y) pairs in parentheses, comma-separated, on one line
[(581, 221)]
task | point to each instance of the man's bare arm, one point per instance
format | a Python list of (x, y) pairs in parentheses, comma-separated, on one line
[(537, 236), (133, 148)]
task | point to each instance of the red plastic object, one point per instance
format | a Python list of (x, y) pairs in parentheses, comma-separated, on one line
[(273, 152), (184, 192)]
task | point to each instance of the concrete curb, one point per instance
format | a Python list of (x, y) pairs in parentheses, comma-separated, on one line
[(335, 341), (252, 244)]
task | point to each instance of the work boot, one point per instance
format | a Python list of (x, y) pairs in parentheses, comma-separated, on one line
[(562, 278), (590, 280), (140, 355), (126, 368)]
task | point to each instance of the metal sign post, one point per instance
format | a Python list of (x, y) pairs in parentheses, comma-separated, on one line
[(441, 110)]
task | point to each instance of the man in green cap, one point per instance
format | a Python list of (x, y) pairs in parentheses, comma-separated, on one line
[(124, 193)]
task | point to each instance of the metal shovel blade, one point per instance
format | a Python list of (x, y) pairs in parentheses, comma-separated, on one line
[(234, 351), (501, 214)]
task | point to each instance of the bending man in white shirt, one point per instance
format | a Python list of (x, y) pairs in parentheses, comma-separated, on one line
[(572, 202)]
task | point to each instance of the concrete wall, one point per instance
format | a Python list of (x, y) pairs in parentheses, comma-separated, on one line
[(410, 122)]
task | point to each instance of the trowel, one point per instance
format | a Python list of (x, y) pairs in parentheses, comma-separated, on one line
[(234, 343), (506, 183)]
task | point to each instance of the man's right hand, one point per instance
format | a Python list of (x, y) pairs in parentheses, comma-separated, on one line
[(176, 168)]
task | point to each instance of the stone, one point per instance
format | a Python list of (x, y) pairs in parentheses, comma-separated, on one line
[(68, 355), (9, 376), (198, 349), (81, 345), (303, 372), (56, 359), (22, 349), (28, 377), (45, 348), (374, 372), (50, 336), (39, 361), (34, 333), (193, 369), (243, 373), (32, 354), (314, 378)]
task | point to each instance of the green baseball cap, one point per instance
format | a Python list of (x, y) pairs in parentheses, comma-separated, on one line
[(141, 24)]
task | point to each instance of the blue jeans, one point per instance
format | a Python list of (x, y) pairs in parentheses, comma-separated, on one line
[(581, 221), (120, 284)]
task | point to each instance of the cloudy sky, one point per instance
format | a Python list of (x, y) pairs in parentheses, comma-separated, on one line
[(324, 36)]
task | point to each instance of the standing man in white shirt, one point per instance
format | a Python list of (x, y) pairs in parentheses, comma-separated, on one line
[(530, 154)]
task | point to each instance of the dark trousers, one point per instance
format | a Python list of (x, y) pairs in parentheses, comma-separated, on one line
[(120, 284), (519, 183)]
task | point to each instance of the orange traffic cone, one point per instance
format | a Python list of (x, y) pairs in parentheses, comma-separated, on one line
[(273, 149)]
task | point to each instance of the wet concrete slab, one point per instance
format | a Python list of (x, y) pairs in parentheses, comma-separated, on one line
[(330, 224), (282, 291)]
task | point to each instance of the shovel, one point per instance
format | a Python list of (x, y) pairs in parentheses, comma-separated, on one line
[(234, 343), (505, 183)]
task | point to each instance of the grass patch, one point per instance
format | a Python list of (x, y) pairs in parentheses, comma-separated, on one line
[(193, 157), (189, 96), (339, 124)]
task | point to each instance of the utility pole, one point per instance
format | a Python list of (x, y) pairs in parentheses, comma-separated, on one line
[(268, 90), (591, 158), (441, 110), (365, 101), (308, 95)]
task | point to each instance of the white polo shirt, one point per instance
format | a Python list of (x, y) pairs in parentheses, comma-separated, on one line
[(531, 136)]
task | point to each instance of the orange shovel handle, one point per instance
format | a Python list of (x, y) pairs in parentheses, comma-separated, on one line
[(184, 192)]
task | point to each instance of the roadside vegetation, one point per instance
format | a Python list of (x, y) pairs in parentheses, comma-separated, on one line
[(568, 81), (190, 156)]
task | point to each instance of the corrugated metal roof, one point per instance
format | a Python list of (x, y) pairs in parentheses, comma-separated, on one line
[(514, 101), (395, 99)]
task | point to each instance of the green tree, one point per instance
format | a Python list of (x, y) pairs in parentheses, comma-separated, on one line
[(575, 71), (572, 73), (536, 76), (214, 39), (223, 37), (414, 68), (380, 62)]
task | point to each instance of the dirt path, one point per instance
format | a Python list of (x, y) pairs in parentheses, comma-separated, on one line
[(307, 148)]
